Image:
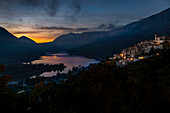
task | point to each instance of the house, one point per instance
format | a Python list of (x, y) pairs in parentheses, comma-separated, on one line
[(161, 39), (123, 51), (142, 48), (158, 46)]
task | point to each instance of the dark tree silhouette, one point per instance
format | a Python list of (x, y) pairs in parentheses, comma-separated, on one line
[(166, 45)]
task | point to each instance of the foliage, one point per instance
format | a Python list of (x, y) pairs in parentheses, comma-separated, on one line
[(166, 44), (7, 98), (142, 87)]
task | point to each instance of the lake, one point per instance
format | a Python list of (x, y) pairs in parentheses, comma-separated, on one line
[(64, 58)]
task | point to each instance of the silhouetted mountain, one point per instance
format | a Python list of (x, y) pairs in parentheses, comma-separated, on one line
[(101, 43), (128, 35), (11, 44), (12, 47), (75, 39), (4, 34), (26, 40), (49, 47)]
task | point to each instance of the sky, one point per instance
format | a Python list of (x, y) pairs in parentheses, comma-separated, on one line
[(45, 20)]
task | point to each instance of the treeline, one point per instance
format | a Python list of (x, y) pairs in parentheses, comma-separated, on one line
[(20, 71), (142, 87)]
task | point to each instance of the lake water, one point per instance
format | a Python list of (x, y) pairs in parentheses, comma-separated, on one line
[(64, 58)]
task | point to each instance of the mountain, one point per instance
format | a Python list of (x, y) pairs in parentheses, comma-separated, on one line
[(49, 47), (11, 44), (25, 39), (6, 37), (75, 39), (98, 43), (23, 48), (128, 36), (12, 47)]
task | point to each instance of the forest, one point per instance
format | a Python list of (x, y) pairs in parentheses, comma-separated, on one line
[(141, 87)]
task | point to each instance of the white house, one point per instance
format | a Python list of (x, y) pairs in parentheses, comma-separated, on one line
[(161, 39)]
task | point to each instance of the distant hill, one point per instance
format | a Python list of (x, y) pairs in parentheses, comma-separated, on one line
[(128, 36), (75, 39), (10, 44), (12, 47), (25, 39), (21, 49), (98, 43)]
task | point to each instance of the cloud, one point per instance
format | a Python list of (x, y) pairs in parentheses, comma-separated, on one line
[(69, 29), (75, 8), (26, 32), (106, 26), (82, 29), (10, 25), (32, 3), (52, 7), (111, 27), (55, 28), (78, 29), (49, 6)]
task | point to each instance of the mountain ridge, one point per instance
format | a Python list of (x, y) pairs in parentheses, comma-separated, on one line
[(94, 43), (128, 35)]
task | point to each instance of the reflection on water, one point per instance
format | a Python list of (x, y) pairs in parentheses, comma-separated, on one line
[(64, 58)]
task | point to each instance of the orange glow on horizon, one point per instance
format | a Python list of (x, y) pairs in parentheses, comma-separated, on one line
[(37, 38), (41, 40)]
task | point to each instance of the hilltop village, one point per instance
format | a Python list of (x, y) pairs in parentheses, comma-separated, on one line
[(142, 50)]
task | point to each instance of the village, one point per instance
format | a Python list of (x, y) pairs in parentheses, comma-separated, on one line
[(141, 50)]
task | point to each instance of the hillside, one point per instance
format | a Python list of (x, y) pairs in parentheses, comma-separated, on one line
[(14, 49), (79, 39), (11, 44), (21, 49), (139, 87), (128, 35)]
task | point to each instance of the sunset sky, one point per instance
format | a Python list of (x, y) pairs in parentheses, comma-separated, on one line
[(45, 20)]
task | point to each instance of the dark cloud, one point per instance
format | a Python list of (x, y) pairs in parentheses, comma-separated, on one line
[(10, 25), (78, 29), (49, 6), (27, 32), (106, 27), (20, 19), (101, 26), (74, 10), (68, 29), (55, 28), (52, 7), (111, 27), (78, 12), (82, 29), (33, 3), (76, 6)]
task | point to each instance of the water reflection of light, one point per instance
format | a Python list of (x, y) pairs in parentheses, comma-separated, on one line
[(68, 61)]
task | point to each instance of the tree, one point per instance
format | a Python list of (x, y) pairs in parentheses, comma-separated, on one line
[(7, 97), (166, 44), (152, 51), (4, 78)]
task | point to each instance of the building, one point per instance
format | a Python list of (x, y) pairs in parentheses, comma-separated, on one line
[(161, 39), (140, 50)]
